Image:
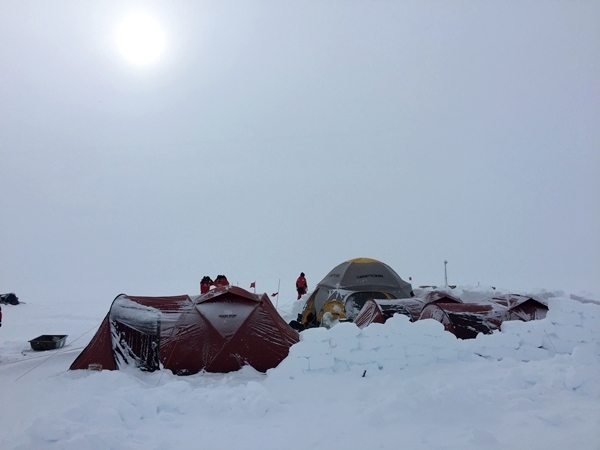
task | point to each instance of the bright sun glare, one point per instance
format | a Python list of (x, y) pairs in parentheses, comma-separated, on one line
[(140, 39)]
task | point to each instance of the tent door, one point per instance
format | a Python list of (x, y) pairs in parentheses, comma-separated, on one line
[(133, 346)]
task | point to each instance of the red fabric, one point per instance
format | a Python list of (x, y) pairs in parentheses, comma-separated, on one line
[(98, 351), (370, 313), (301, 283), (301, 286), (221, 282), (253, 284), (220, 331)]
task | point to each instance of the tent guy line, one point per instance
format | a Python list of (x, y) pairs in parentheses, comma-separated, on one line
[(56, 353)]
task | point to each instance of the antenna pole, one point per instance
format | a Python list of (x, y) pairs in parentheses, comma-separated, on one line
[(446, 272)]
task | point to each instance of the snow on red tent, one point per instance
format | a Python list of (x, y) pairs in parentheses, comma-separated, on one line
[(465, 320), (219, 331)]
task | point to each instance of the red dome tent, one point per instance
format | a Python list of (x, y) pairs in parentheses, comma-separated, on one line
[(220, 331)]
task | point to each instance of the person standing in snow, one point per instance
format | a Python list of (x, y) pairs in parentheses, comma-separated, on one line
[(221, 280), (205, 284), (301, 285)]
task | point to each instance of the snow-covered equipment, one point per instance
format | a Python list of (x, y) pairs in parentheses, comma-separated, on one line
[(379, 311), (9, 299), (464, 320), (467, 320), (219, 331), (343, 292)]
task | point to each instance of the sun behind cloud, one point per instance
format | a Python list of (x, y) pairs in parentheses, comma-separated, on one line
[(140, 39)]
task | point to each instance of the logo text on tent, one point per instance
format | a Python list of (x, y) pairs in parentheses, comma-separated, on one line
[(227, 314), (373, 275)]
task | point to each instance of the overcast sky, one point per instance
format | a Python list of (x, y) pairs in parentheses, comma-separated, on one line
[(273, 137)]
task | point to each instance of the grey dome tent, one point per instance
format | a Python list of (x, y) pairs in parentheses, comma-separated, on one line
[(347, 287)]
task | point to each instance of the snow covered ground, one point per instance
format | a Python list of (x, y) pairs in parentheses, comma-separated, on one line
[(535, 385)]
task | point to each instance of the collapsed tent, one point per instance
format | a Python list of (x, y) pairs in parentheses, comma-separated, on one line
[(219, 331), (347, 287), (464, 320)]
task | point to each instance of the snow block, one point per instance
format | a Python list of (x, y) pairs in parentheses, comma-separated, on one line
[(397, 323), (344, 330), (496, 352), (592, 323), (573, 333), (392, 364), (532, 339), (429, 327), (555, 345), (375, 330), (445, 354), (563, 318), (344, 344), (563, 305), (344, 353), (417, 350), (446, 339), (315, 334), (288, 368), (530, 353), (420, 360), (585, 355), (363, 356), (512, 326), (575, 377), (369, 343), (309, 348), (371, 367), (396, 352), (498, 340), (340, 365), (319, 362)]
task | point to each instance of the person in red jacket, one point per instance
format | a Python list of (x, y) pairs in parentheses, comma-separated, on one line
[(301, 285), (221, 280), (205, 285)]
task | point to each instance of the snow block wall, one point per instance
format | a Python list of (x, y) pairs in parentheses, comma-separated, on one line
[(400, 343)]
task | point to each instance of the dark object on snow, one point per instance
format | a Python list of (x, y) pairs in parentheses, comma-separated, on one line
[(296, 325), (48, 342), (9, 299)]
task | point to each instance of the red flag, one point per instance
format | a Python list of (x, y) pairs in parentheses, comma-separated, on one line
[(274, 294), (253, 284)]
